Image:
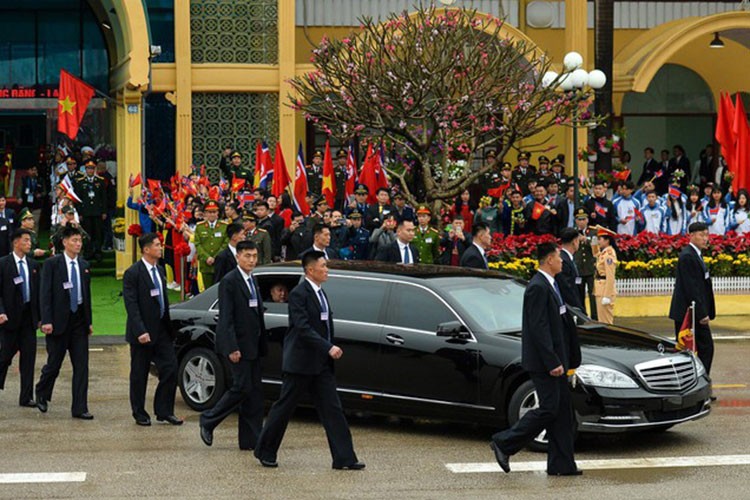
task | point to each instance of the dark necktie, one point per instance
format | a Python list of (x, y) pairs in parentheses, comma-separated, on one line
[(25, 284), (74, 289), (558, 294), (324, 309), (251, 283), (158, 287), (407, 260)]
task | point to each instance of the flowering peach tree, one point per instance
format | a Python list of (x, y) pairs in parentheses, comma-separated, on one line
[(436, 86)]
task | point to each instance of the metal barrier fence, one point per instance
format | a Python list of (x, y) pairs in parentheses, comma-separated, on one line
[(663, 286)]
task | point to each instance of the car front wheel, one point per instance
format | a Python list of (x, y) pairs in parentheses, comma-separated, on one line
[(201, 378), (524, 400)]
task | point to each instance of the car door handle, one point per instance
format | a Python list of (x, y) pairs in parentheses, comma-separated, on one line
[(394, 339)]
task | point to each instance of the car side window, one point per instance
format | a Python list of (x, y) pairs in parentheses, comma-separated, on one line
[(275, 291), (355, 299), (416, 308)]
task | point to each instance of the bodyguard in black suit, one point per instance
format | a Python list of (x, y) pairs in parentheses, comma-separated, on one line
[(19, 313), (65, 303), (693, 284), (226, 261), (307, 368), (475, 256), (569, 279), (149, 332), (549, 349), (241, 337), (321, 242), (396, 252)]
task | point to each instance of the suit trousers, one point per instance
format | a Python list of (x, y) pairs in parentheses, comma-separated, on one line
[(322, 390), (588, 284), (555, 414), (75, 341), (246, 394), (162, 354), (23, 341), (704, 342), (94, 226), (606, 314)]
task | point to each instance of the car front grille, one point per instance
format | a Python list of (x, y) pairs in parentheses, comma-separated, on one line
[(675, 373)]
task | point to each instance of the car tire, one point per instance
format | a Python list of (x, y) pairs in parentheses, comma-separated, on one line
[(523, 400), (201, 378)]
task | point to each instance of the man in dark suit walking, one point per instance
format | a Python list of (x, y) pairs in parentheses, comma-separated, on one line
[(549, 349), (401, 251), (321, 242), (475, 256), (693, 285), (149, 333), (19, 313), (241, 337), (65, 303), (226, 260), (307, 368), (569, 280)]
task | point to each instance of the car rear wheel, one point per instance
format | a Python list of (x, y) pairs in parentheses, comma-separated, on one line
[(524, 400), (201, 377)]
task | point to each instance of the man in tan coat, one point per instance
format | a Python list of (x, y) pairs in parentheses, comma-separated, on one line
[(604, 276)]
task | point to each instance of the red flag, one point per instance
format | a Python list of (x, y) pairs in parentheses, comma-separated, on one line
[(154, 186), (600, 210), (237, 184), (214, 193), (135, 181), (300, 183), (537, 211), (499, 191), (281, 179), (685, 338), (622, 175), (67, 188), (380, 168), (329, 178), (675, 192), (742, 148), (368, 177), (725, 131), (74, 98), (351, 175)]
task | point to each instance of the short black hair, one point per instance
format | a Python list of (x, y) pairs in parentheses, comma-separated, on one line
[(697, 227), (318, 228), (19, 233), (383, 189), (296, 214), (69, 231), (403, 221), (479, 227), (310, 257), (146, 239), (649, 149), (458, 217), (261, 204), (544, 250), (233, 229), (628, 185), (568, 234), (246, 245)]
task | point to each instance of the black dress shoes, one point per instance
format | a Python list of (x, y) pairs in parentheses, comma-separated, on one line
[(42, 405), (170, 419), (84, 416), (577, 472), (143, 420), (503, 460), (354, 466), (29, 404), (268, 463), (207, 436)]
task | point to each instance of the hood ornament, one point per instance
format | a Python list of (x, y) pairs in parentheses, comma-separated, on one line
[(660, 348)]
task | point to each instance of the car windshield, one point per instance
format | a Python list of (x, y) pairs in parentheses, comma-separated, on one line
[(488, 305)]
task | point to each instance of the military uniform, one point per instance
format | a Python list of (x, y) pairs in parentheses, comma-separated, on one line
[(426, 240), (604, 283), (586, 263), (357, 239), (315, 175), (93, 194), (262, 240), (340, 176), (209, 241), (521, 175)]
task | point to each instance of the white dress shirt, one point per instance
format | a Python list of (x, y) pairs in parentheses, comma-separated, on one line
[(68, 260), (158, 277), (404, 247), (26, 271)]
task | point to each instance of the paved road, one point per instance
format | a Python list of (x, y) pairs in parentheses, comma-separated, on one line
[(404, 459)]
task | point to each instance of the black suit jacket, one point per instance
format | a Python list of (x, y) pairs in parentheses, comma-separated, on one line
[(691, 285), (241, 327), (682, 164), (374, 218), (566, 280), (54, 299), (223, 264), (650, 167), (306, 343), (549, 339), (392, 253), (143, 309), (11, 295), (329, 253), (472, 258), (10, 216)]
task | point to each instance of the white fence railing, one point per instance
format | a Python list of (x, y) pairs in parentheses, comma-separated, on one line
[(664, 286)]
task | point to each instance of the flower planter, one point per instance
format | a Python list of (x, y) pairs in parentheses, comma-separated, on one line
[(593, 158), (604, 149)]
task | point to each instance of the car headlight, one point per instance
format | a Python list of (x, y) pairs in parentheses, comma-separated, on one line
[(699, 368), (600, 376)]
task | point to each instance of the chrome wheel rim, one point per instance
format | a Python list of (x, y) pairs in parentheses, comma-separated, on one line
[(199, 379)]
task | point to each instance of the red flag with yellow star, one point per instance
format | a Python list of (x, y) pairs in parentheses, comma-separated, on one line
[(329, 178), (74, 97)]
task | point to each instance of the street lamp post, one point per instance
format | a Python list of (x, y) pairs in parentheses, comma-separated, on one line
[(574, 78)]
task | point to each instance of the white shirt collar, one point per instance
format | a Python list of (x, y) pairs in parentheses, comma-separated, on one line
[(481, 250), (68, 260), (549, 278), (697, 250), (401, 244), (567, 252), (245, 276), (319, 249), (315, 287), (19, 259), (149, 266), (233, 250)]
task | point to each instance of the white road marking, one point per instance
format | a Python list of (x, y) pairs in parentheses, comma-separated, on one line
[(731, 337), (617, 463), (43, 477), (96, 349)]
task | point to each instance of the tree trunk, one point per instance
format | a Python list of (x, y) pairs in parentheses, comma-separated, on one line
[(604, 53)]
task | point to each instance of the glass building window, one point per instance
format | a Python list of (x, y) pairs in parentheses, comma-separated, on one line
[(161, 22)]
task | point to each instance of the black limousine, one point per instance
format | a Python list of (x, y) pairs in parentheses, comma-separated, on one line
[(444, 343)]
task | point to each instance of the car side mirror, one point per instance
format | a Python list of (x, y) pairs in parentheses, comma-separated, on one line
[(453, 329)]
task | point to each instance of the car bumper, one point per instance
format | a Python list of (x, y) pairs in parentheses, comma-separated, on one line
[(620, 410)]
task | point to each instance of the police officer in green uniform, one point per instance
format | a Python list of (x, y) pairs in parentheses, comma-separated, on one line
[(236, 168), (92, 210), (426, 238), (210, 239), (259, 236), (585, 261)]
